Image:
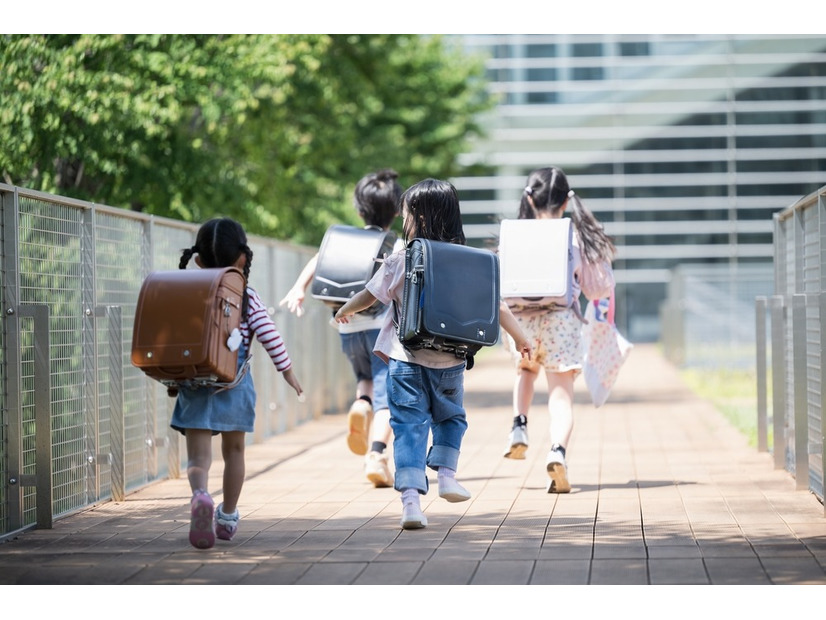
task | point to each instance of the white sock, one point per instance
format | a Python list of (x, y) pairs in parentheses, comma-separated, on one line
[(445, 472), (410, 496)]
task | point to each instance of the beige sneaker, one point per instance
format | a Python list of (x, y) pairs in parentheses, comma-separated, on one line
[(358, 421), (377, 470)]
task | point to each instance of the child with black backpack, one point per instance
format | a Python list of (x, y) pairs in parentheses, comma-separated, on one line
[(555, 333), (376, 199), (425, 386)]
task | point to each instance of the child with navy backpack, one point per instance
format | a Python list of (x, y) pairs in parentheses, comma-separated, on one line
[(425, 386), (555, 334)]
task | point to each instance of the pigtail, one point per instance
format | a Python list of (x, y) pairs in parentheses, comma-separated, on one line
[(186, 255), (595, 245), (245, 305)]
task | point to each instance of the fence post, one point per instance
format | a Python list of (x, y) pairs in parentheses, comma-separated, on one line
[(801, 389), (42, 478), (822, 328), (762, 413), (778, 381)]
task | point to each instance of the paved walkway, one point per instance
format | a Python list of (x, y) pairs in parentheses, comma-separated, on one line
[(665, 491)]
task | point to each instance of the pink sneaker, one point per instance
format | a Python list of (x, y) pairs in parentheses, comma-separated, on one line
[(201, 534), (226, 525)]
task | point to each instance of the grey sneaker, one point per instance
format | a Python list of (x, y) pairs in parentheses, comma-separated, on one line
[(517, 443), (557, 471)]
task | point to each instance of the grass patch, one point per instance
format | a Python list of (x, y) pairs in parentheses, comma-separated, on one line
[(733, 393)]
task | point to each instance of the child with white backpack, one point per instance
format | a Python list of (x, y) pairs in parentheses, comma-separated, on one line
[(553, 330)]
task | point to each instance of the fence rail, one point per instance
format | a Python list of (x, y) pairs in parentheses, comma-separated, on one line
[(796, 314), (78, 423)]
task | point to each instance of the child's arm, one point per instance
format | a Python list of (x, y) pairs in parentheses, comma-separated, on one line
[(358, 302), (295, 296), (509, 323), (292, 380)]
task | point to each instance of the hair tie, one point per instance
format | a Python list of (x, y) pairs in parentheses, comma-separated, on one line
[(571, 194), (528, 190)]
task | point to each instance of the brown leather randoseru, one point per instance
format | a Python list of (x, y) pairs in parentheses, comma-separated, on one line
[(183, 323)]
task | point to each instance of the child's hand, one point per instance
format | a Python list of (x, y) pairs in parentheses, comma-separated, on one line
[(292, 381), (342, 317), (294, 300), (524, 347)]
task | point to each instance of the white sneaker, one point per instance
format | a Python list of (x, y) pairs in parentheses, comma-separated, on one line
[(413, 518), (377, 470), (452, 491), (557, 472), (517, 443)]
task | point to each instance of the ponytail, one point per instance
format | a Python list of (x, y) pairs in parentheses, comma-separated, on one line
[(595, 245)]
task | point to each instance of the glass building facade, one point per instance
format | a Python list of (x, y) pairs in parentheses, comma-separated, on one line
[(684, 146)]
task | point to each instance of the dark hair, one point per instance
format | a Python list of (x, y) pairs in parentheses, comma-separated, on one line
[(377, 198), (433, 208), (547, 190), (219, 243)]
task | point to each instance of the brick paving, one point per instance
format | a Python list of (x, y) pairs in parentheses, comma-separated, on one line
[(664, 492)]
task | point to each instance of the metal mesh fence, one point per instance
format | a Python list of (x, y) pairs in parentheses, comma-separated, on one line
[(709, 315), (80, 424)]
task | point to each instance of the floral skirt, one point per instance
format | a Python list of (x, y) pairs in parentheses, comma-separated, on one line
[(556, 338)]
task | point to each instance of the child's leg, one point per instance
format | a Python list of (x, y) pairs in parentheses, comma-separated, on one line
[(523, 391), (560, 408), (376, 464), (410, 421), (199, 458), (201, 507), (354, 346), (232, 449), (449, 426)]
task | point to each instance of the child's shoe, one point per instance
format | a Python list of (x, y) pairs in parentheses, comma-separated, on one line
[(226, 525), (413, 518), (557, 470), (452, 491), (377, 470), (201, 534), (358, 421), (517, 443)]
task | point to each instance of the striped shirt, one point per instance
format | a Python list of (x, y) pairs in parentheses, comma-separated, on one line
[(258, 321)]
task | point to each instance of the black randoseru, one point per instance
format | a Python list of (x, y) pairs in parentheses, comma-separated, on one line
[(451, 298)]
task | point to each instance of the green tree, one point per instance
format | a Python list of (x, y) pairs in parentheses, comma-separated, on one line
[(273, 130)]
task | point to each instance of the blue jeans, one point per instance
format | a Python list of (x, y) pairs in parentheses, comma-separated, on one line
[(358, 347), (424, 399)]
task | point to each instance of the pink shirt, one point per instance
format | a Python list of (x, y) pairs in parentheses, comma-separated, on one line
[(387, 285)]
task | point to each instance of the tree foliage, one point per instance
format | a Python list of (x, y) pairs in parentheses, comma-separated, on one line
[(273, 130)]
